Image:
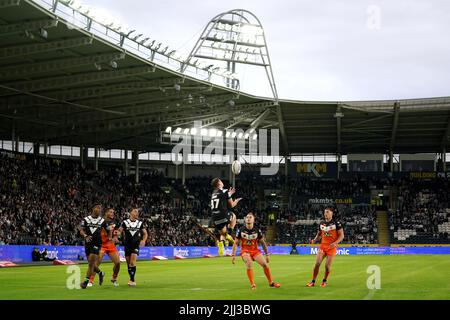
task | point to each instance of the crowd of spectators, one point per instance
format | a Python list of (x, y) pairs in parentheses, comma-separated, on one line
[(359, 223), (43, 200), (168, 229), (422, 206)]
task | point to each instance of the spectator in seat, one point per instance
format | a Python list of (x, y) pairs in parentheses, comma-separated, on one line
[(45, 257), (35, 255)]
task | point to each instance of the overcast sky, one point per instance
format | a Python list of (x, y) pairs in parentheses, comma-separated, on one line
[(321, 50)]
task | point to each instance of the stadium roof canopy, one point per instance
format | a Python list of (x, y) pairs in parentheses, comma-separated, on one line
[(63, 85)]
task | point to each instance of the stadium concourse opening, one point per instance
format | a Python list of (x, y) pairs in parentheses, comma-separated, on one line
[(87, 113)]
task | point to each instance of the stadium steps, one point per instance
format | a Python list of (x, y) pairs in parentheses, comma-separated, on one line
[(286, 198), (271, 231), (384, 238), (394, 198), (261, 198), (270, 234)]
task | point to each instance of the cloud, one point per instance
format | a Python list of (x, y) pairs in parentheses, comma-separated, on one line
[(322, 50)]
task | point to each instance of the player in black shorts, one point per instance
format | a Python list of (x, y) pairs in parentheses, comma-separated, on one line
[(222, 218), (134, 235), (90, 230)]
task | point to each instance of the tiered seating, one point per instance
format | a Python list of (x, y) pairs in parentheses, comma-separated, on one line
[(43, 200), (423, 212), (444, 227), (404, 234)]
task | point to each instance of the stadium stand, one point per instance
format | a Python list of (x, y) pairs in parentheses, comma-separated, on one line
[(422, 214), (359, 224), (111, 96), (44, 199)]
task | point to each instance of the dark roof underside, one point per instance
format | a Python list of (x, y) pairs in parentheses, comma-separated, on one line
[(51, 90)]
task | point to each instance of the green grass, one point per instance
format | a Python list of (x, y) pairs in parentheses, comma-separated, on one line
[(402, 277)]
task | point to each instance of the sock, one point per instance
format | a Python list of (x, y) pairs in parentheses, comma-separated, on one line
[(114, 276), (326, 275), (221, 248), (268, 274), (250, 276), (98, 271), (315, 273), (229, 238), (91, 278), (132, 272)]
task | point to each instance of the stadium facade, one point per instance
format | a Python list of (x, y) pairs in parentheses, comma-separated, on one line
[(75, 87)]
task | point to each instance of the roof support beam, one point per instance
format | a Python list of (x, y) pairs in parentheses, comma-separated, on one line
[(124, 139), (365, 109), (146, 109), (163, 105), (123, 101), (130, 123), (186, 117), (446, 135), (242, 117), (394, 126), (173, 113), (9, 3), (256, 123), (80, 79), (57, 65), (360, 123), (84, 93), (365, 132), (119, 101), (207, 121), (282, 130), (29, 120), (10, 29), (8, 106), (249, 111), (36, 48), (338, 115), (377, 141)]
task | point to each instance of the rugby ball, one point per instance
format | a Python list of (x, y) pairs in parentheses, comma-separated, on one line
[(236, 167)]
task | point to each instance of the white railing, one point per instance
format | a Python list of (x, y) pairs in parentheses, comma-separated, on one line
[(157, 54)]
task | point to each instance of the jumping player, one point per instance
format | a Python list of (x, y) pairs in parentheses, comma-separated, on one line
[(135, 236), (331, 232), (222, 219), (109, 238), (90, 230), (248, 238)]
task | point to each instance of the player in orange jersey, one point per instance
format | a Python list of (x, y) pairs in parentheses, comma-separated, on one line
[(331, 232), (109, 239), (248, 238)]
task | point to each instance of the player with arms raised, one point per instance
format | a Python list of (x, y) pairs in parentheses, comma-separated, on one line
[(222, 219), (249, 238), (331, 233)]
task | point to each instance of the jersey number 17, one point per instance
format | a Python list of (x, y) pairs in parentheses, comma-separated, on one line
[(214, 203)]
